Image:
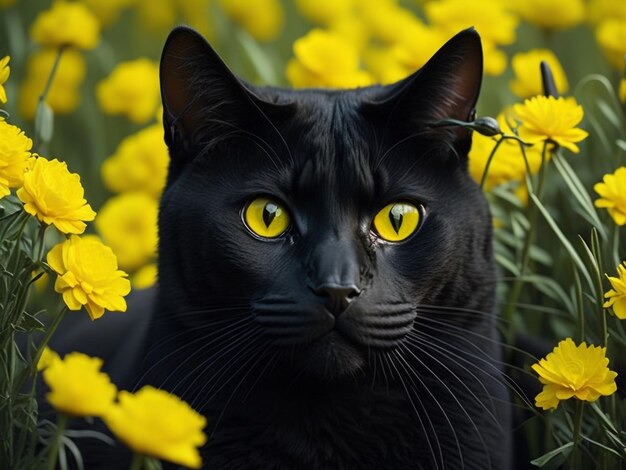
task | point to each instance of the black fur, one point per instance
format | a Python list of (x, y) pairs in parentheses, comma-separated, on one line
[(327, 348)]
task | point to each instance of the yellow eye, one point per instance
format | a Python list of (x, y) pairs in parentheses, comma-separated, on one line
[(266, 218), (397, 221)]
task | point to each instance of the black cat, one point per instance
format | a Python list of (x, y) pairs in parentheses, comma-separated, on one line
[(326, 281)]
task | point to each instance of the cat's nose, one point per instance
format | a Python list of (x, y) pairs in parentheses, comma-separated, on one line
[(337, 297)]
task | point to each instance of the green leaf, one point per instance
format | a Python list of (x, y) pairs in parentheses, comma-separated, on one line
[(564, 241), (554, 458), (29, 322), (580, 193), (610, 114), (263, 66)]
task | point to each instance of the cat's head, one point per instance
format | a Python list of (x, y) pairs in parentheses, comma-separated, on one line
[(331, 223)]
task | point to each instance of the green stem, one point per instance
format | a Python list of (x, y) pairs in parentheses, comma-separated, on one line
[(137, 462), (56, 441), (580, 305), (46, 90), (44, 342), (516, 289), (578, 421), (597, 253), (41, 239), (50, 331), (488, 164)]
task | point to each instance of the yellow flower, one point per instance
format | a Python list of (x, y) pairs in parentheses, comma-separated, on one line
[(551, 14), (155, 16), (263, 19), (145, 277), (416, 46), (325, 59), (494, 23), (383, 64), (14, 156), (5, 70), (108, 11), (55, 196), (387, 21), (526, 66), (599, 10), (616, 297), (77, 387), (611, 36), (324, 11), (612, 195), (132, 89), (88, 275), (128, 224), (574, 371), (545, 118), (353, 29), (66, 24), (64, 95), (48, 357), (155, 423), (139, 164)]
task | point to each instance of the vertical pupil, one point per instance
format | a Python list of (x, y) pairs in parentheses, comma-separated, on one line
[(270, 211), (395, 216)]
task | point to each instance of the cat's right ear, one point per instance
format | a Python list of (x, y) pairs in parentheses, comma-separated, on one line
[(202, 98)]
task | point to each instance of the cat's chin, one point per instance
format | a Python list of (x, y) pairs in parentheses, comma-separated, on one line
[(328, 358)]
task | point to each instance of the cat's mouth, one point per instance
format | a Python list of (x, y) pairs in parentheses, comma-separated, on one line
[(325, 346)]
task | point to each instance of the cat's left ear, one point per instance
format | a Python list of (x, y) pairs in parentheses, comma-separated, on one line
[(203, 100), (447, 87)]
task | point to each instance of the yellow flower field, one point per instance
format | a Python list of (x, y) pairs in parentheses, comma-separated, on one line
[(83, 165)]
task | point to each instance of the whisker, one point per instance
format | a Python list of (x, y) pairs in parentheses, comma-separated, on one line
[(186, 345), (258, 359), (424, 322), (209, 361), (455, 376), (417, 414), (454, 397), (507, 380), (407, 368), (272, 362)]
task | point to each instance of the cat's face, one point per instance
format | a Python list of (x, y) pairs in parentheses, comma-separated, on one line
[(333, 222)]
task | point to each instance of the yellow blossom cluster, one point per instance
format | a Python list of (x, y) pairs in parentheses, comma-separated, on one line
[(612, 195), (66, 24), (132, 89), (263, 19), (538, 122), (15, 155), (574, 371), (87, 270), (371, 41), (88, 276), (63, 31), (128, 220), (5, 70), (616, 297), (150, 422), (55, 196)]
